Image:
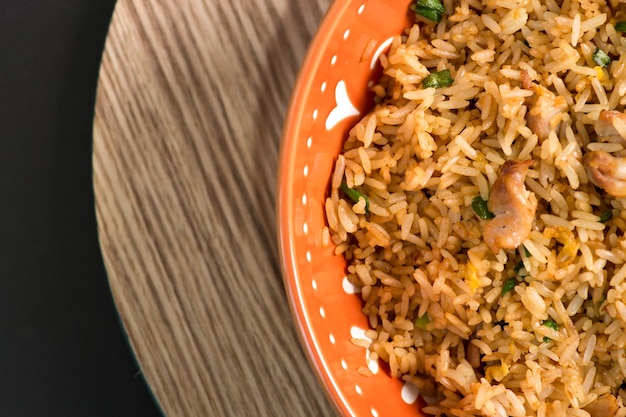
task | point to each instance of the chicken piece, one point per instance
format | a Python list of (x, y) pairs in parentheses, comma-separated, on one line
[(607, 172), (604, 406), (513, 207), (546, 111), (609, 125)]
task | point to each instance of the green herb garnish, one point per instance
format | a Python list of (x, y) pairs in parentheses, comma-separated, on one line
[(520, 270), (430, 9), (509, 285), (480, 208), (551, 324), (526, 252), (421, 322), (606, 216), (621, 26), (438, 79), (355, 195), (601, 58)]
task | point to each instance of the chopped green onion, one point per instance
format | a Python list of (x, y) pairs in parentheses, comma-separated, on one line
[(551, 324), (509, 285), (526, 252), (480, 208), (355, 195), (421, 322), (520, 270), (606, 216), (430, 9), (438, 79), (601, 58), (621, 26)]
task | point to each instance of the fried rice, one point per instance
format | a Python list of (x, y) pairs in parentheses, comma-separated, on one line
[(483, 220)]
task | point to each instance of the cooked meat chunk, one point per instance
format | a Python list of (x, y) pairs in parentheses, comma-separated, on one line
[(605, 406), (607, 172), (609, 126), (545, 112), (513, 206)]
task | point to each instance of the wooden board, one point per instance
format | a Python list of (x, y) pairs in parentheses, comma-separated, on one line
[(191, 102)]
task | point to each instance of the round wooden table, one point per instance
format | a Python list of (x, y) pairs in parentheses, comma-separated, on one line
[(191, 101)]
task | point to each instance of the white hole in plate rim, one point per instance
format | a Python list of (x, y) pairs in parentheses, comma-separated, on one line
[(304, 199), (374, 412), (333, 60), (305, 170), (344, 109), (315, 114), (358, 333), (361, 8), (348, 287), (323, 86), (314, 284), (305, 229), (308, 256), (372, 365), (409, 393), (344, 365), (358, 390), (309, 142), (346, 34), (332, 339), (379, 52), (322, 312)]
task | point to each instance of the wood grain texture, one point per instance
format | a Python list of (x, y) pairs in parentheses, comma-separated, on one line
[(191, 102)]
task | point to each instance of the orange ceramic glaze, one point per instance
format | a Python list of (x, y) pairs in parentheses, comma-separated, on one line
[(331, 95)]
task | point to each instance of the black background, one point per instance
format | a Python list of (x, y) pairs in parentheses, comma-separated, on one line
[(62, 348)]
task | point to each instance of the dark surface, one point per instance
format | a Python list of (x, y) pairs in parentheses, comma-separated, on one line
[(62, 348)]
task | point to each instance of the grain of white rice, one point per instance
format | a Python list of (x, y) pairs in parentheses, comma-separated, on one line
[(419, 95), (576, 29), (618, 277), (609, 147), (483, 56), (588, 355), (533, 302), (600, 93), (593, 23), (609, 256), (589, 225), (490, 23)]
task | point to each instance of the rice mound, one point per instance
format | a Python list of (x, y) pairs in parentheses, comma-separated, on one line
[(533, 331)]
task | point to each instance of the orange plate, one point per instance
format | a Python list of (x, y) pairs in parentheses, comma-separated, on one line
[(331, 95)]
